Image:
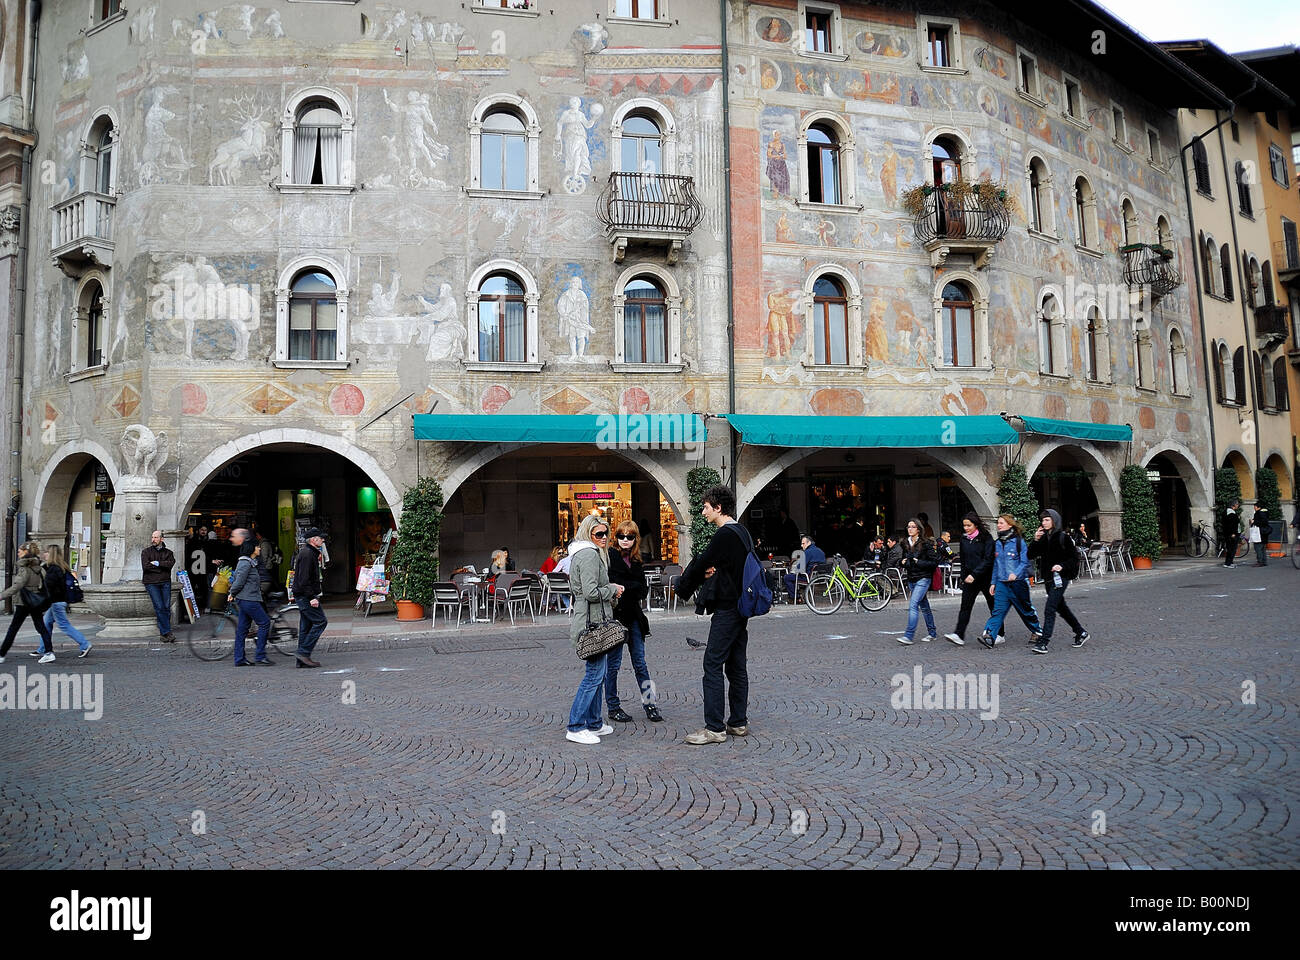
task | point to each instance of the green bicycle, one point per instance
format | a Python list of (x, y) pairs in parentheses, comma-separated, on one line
[(825, 592)]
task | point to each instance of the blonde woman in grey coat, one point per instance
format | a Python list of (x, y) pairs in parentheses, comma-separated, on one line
[(592, 593)]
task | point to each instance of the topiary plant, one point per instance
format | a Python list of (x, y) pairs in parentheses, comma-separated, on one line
[(1227, 488), (1268, 496), (415, 558), (699, 479), (1138, 518), (1015, 498)]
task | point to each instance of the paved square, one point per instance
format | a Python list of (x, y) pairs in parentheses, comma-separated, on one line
[(1134, 751)]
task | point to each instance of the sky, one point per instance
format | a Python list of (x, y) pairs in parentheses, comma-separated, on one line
[(1233, 25)]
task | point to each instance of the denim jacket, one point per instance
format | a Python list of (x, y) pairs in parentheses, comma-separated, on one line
[(1010, 555)]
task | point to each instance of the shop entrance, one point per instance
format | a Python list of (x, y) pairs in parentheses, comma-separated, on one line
[(1061, 483), (90, 511), (1173, 506), (282, 491), (615, 502)]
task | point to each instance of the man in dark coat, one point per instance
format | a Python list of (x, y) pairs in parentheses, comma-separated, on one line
[(307, 594), (156, 563)]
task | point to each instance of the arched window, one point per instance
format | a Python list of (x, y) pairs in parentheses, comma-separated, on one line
[(1239, 375), (313, 316), (1164, 236), (642, 145), (88, 350), (1047, 315), (1243, 190), (1201, 165), (1179, 383), (104, 160), (1041, 211), (1085, 211), (318, 144), (1254, 282), (1265, 395), (95, 327), (1223, 381), (98, 169), (504, 136), (958, 326), (945, 159), (830, 322), (1130, 222), (645, 322), (502, 328), (823, 165), (1225, 266), (1213, 270)]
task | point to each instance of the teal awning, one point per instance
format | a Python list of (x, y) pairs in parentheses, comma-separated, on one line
[(784, 431), (633, 431), (1078, 430)]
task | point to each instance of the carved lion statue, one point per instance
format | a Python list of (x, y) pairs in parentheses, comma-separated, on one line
[(143, 451)]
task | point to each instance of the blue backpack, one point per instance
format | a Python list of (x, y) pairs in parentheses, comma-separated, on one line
[(755, 595), (73, 588)]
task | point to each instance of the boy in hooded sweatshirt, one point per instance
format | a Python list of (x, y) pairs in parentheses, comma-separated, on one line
[(1058, 564)]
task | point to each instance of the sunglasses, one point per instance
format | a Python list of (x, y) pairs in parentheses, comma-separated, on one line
[(600, 533), (626, 536)]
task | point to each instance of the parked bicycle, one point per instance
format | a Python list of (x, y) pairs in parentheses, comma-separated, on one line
[(826, 592), (212, 636), (1200, 541)]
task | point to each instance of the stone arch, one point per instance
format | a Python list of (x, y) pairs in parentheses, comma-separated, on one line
[(1236, 458), (968, 152), (179, 507), (1277, 463), (1107, 493), (1199, 483), (58, 476)]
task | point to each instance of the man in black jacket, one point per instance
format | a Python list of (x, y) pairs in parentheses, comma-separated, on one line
[(722, 566), (307, 595), (1058, 564), (156, 562)]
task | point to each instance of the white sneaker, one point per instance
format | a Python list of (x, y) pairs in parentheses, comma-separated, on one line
[(604, 731), (929, 638), (955, 639), (89, 646), (2, 659), (999, 639), (582, 736), (905, 641), (48, 658)]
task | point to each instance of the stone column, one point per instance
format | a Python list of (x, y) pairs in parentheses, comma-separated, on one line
[(1109, 521)]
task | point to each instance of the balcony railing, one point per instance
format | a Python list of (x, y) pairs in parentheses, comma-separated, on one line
[(83, 230), (1151, 265), (969, 224), (1286, 255), (1271, 323), (649, 207)]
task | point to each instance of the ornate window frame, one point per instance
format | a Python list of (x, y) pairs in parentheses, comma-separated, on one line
[(673, 308), (968, 152), (667, 129), (1102, 375), (338, 274), (838, 50), (88, 167), (1088, 238), (856, 332), (80, 316), (923, 21), (347, 146), (980, 296), (532, 297), (532, 134), (1060, 365), (1144, 365), (848, 152), (1180, 384), (1046, 199)]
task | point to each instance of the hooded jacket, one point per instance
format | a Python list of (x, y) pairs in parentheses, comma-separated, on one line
[(27, 576), (592, 591), (1053, 548)]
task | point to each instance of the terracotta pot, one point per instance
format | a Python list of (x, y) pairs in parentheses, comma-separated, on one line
[(408, 610), (1275, 549), (1141, 563)]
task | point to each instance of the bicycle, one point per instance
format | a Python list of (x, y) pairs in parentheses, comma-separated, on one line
[(212, 637), (1199, 543), (825, 593)]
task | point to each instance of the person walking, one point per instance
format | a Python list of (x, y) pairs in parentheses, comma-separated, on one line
[(592, 593), (1010, 567), (246, 589), (1058, 564), (720, 571), (1231, 531), (919, 561), (56, 588), (812, 555), (1260, 531), (976, 554), (156, 562), (626, 570), (307, 593), (28, 591)]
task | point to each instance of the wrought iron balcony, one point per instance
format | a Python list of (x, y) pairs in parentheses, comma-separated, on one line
[(1151, 265), (969, 224), (1286, 256), (83, 231), (651, 208), (1271, 324)]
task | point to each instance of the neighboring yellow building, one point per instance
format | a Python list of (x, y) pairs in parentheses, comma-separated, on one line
[(1244, 327), (1279, 145)]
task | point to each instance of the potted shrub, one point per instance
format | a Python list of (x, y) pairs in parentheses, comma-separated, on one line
[(699, 479), (415, 557), (1268, 495), (1138, 518)]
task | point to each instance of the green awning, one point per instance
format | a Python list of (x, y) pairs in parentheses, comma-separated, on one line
[(1078, 430), (784, 431), (630, 431)]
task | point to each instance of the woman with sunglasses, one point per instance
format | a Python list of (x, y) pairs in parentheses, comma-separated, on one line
[(592, 593), (626, 570)]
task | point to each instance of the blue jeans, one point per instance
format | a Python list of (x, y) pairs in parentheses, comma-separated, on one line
[(251, 610), (917, 604), (1012, 593), (636, 649), (161, 595), (311, 624), (58, 613), (585, 712)]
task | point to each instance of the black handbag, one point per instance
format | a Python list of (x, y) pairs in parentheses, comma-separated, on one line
[(35, 599), (598, 640)]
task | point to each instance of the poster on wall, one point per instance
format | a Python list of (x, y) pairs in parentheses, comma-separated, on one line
[(187, 596)]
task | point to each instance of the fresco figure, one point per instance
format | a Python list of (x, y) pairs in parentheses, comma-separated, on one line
[(574, 309), (778, 173), (571, 143)]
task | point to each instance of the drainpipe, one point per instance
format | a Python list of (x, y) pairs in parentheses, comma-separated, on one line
[(726, 175)]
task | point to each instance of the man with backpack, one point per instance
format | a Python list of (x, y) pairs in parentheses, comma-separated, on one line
[(1058, 564), (734, 590)]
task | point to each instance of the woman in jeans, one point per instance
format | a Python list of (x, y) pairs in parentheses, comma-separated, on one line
[(246, 588), (919, 560), (1010, 573), (592, 593), (625, 570), (56, 585), (27, 576)]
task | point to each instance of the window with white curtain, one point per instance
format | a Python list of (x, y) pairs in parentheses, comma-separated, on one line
[(645, 322), (502, 324), (317, 144)]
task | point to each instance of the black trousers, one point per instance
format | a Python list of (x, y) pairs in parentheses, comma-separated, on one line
[(20, 614), (1230, 548), (970, 592), (728, 641), (1056, 604)]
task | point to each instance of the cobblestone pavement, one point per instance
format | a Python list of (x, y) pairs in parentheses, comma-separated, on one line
[(454, 752)]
